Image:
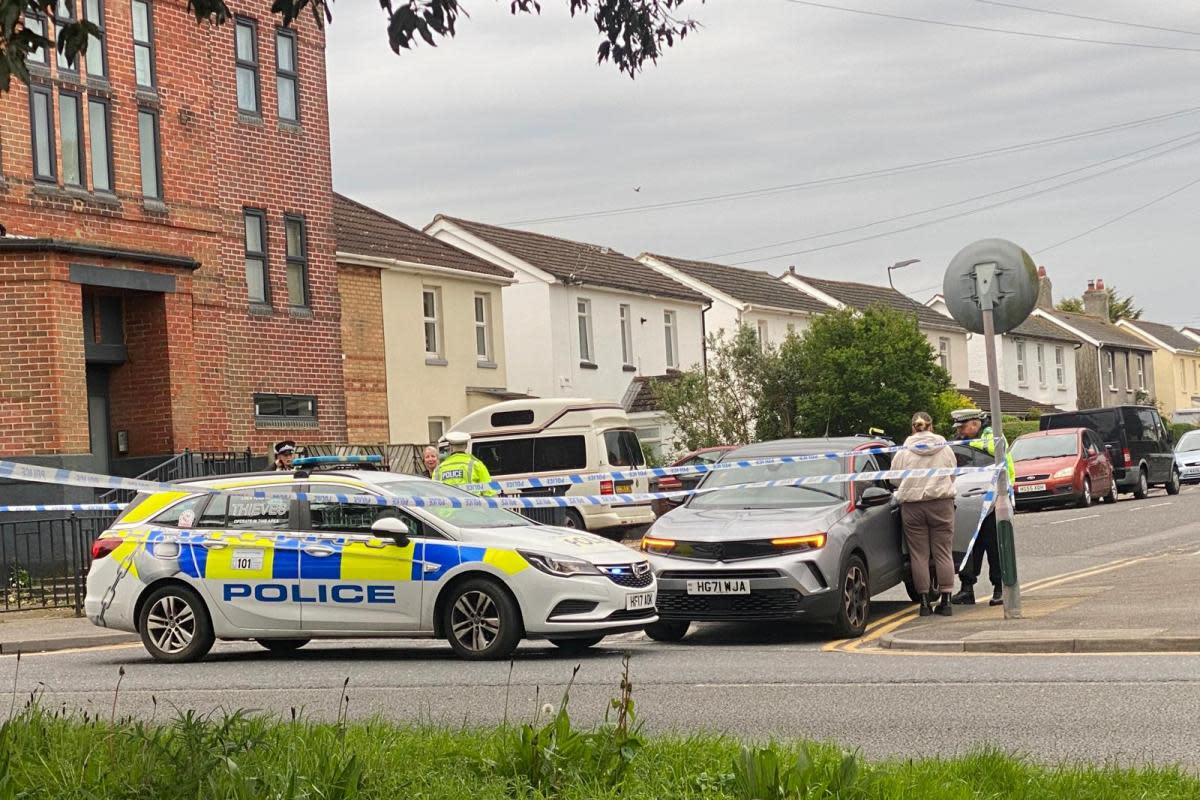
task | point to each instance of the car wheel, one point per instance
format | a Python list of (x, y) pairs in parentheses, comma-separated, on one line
[(1111, 497), (855, 606), (574, 520), (283, 645), (576, 645), (1143, 486), (481, 621), (175, 626), (667, 630), (1085, 499), (911, 588), (1173, 485)]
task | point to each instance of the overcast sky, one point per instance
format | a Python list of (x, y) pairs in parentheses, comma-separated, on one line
[(513, 120)]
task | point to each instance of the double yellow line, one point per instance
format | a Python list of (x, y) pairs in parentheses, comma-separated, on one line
[(885, 625)]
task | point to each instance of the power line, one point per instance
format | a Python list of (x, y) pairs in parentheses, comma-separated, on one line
[(965, 26), (1120, 217), (956, 203), (858, 176), (974, 210), (1089, 19)]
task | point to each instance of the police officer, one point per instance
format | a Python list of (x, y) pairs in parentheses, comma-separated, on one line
[(460, 467), (285, 451), (969, 424)]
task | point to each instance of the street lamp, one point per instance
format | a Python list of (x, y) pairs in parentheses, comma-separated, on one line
[(900, 265)]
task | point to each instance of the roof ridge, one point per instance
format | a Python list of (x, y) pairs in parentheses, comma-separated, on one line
[(576, 242), (376, 212)]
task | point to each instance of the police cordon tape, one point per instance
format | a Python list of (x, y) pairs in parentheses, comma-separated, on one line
[(38, 474), (67, 507), (989, 502), (697, 469)]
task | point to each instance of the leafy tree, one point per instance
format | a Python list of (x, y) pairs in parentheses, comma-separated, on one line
[(852, 371), (718, 407), (948, 401), (633, 31), (1119, 306)]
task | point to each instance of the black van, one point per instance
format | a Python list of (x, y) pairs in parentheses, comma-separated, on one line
[(1139, 444)]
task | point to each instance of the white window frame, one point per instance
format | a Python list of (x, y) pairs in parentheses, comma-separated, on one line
[(443, 423), (1040, 349), (481, 308), (764, 335), (583, 322), (1060, 366), (626, 314), (1140, 361), (434, 292), (944, 352), (1110, 364), (671, 338), (1022, 363)]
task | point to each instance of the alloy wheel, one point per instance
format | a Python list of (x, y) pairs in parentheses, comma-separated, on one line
[(475, 621), (855, 596), (171, 624)]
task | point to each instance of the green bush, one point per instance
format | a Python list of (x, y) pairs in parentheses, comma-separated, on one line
[(1178, 429), (1016, 428)]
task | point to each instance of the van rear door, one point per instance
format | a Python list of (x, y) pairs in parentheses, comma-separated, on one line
[(623, 451), (1105, 422), (1147, 441)]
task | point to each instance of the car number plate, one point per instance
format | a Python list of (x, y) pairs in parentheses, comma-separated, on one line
[(735, 586), (624, 488), (640, 601), (1031, 488)]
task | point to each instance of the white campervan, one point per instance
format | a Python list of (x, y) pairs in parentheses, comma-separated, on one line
[(537, 438)]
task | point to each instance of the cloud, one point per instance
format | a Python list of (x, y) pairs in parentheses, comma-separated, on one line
[(514, 120)]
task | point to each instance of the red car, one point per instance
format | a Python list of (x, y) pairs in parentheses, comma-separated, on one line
[(672, 483), (1060, 467)]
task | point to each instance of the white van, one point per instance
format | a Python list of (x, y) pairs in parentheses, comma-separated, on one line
[(542, 437)]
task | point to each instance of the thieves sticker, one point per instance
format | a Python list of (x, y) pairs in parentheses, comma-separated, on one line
[(247, 559)]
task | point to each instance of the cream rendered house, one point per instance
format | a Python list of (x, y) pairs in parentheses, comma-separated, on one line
[(422, 329), (741, 297), (1176, 363)]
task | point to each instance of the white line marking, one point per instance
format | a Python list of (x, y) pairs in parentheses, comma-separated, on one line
[(1074, 519)]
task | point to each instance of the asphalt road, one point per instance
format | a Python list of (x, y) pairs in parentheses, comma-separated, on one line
[(757, 682)]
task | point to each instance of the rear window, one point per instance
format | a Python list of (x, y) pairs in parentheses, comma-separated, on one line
[(623, 448), (182, 514), (242, 512), (1106, 423), (543, 454), (1142, 425), (509, 419)]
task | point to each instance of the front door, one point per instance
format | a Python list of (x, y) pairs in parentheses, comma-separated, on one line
[(248, 561), (351, 579), (97, 404)]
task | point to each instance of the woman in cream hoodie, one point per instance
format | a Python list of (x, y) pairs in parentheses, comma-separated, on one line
[(927, 511)]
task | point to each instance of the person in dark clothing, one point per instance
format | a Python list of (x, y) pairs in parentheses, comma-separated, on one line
[(986, 544), (284, 453)]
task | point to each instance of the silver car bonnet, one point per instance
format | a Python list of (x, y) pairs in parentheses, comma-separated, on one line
[(735, 524)]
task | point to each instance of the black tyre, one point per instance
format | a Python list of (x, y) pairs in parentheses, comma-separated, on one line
[(668, 630), (854, 608), (1085, 499), (576, 645), (911, 588), (175, 625), (574, 520), (282, 646), (1174, 485), (482, 621), (1143, 485), (1111, 497)]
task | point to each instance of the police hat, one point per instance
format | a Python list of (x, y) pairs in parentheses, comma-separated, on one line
[(285, 447), (965, 415), (457, 437)]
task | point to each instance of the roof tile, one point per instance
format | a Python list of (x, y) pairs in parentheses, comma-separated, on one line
[(363, 231), (1100, 330), (862, 296), (1169, 336), (748, 286), (1009, 403)]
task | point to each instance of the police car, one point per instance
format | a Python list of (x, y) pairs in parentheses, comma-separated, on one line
[(183, 568)]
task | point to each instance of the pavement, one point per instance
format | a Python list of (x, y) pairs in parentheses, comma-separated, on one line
[(52, 631)]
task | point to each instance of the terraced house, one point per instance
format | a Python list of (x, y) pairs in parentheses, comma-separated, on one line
[(1176, 363), (167, 280)]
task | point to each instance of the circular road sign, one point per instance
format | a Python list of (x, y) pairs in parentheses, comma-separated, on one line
[(991, 273)]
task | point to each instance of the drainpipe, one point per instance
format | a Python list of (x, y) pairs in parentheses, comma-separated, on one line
[(704, 337)]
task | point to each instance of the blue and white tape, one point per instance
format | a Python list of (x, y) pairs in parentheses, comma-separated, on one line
[(695, 469), (989, 502), (67, 507)]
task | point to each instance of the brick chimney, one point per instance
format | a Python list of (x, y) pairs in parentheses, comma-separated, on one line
[(1095, 300), (1045, 299)]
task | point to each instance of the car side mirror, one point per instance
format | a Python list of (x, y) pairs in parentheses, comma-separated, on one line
[(392, 528), (874, 496)]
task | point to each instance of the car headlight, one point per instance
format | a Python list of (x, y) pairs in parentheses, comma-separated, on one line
[(662, 547), (561, 566), (812, 541), (1065, 472)]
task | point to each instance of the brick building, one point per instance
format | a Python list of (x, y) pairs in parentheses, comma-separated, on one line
[(167, 280)]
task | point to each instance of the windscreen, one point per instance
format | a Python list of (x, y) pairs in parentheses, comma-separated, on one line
[(1034, 447), (474, 517), (1189, 442), (773, 496)]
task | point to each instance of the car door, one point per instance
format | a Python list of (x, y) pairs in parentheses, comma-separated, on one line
[(352, 579), (970, 493), (878, 530), (1098, 468), (245, 556)]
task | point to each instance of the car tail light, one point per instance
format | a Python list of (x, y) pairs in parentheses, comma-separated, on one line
[(102, 547), (812, 541), (1128, 456), (606, 487), (669, 484), (651, 544)]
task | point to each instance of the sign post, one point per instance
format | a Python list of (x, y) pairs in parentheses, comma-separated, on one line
[(991, 287)]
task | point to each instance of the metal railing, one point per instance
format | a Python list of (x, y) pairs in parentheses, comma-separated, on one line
[(44, 562), (405, 458), (191, 464)]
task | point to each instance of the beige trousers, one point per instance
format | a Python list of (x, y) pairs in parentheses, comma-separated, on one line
[(929, 531)]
